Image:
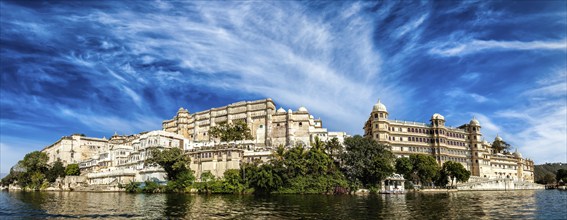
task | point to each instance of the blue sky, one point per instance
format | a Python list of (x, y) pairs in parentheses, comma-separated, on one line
[(99, 67)]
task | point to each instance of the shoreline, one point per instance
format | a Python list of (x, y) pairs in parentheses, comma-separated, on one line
[(354, 193)]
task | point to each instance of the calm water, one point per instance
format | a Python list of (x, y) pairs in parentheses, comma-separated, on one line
[(539, 204)]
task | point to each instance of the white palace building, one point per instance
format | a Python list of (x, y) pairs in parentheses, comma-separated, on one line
[(464, 144), (121, 158)]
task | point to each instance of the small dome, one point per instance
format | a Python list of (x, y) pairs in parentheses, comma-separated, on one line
[(289, 111), (474, 121), (498, 138), (517, 154), (281, 110), (311, 117), (302, 109), (379, 107), (437, 116)]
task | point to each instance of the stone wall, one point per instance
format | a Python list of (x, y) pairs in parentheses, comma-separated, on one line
[(498, 184)]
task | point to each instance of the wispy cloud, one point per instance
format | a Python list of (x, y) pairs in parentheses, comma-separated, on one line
[(543, 119), (476, 46), (459, 93)]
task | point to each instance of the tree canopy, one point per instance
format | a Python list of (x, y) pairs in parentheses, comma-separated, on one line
[(455, 170), (56, 170), (236, 131), (424, 168), (500, 145), (404, 167), (175, 163), (366, 161), (561, 175), (172, 160), (73, 170), (29, 172)]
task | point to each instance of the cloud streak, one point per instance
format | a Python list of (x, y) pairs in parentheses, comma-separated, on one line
[(478, 46)]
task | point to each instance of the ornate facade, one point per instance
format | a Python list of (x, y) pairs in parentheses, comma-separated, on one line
[(75, 148), (269, 127), (464, 144)]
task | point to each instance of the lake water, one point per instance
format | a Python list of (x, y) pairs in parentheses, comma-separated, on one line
[(536, 204)]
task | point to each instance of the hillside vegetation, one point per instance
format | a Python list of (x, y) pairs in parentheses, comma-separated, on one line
[(542, 170)]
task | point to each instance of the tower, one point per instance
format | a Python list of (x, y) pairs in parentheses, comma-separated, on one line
[(379, 123), (438, 133), (475, 143)]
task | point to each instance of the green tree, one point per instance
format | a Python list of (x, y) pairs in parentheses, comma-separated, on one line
[(266, 180), (72, 170), (317, 162), (333, 147), (455, 170), (366, 161), (294, 162), (561, 175), (549, 178), (236, 131), (37, 178), (233, 182), (207, 183), (172, 160), (404, 167), (29, 172), (132, 187), (425, 168), (36, 162), (500, 145), (56, 170)]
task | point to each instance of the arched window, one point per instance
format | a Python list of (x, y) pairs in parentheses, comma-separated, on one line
[(375, 115)]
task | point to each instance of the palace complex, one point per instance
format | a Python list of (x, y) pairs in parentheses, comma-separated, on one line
[(121, 158), (268, 126), (464, 144)]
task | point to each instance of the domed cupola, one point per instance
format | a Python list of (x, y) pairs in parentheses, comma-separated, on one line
[(379, 111), (302, 109), (474, 122), (517, 154), (379, 107), (280, 110), (437, 120), (437, 116), (497, 138)]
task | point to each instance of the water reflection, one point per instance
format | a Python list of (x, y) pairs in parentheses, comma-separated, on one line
[(484, 205)]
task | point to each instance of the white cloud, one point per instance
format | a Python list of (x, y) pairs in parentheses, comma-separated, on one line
[(542, 120), (452, 48), (278, 52), (458, 93), (103, 123), (411, 26), (470, 76)]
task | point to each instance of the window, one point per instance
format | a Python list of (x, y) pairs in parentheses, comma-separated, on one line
[(300, 124), (375, 115)]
